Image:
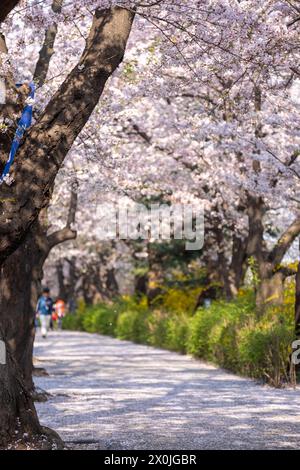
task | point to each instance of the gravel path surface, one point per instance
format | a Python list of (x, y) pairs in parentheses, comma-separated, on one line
[(111, 394)]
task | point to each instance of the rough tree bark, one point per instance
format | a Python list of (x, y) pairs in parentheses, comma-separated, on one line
[(222, 265), (20, 282), (17, 413), (230, 270), (67, 284), (21, 276), (52, 136), (271, 275), (238, 264), (62, 290), (47, 49)]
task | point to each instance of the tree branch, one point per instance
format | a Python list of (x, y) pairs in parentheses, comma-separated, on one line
[(47, 49), (284, 243), (73, 204), (286, 271), (61, 236), (67, 233)]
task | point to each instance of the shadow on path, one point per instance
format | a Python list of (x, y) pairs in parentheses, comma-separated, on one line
[(113, 394)]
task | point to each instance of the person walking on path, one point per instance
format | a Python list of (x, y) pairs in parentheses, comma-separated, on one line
[(44, 310), (60, 311)]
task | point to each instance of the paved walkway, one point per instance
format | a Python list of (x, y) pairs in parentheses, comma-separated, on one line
[(111, 394)]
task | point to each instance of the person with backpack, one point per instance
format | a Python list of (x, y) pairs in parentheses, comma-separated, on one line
[(44, 311)]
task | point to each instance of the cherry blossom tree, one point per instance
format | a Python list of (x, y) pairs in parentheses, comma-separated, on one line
[(226, 131), (204, 95), (63, 118)]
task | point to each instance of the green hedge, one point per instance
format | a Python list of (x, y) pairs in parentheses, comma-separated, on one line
[(229, 334)]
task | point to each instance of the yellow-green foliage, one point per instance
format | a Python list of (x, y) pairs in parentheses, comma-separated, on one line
[(98, 319), (264, 348), (213, 330), (264, 345), (177, 332), (157, 325), (180, 300), (132, 325)]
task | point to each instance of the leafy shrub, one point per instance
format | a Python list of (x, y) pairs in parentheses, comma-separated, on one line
[(264, 348), (207, 328), (229, 334), (73, 322), (131, 322), (132, 325), (101, 319), (180, 300), (213, 330), (157, 324), (177, 332)]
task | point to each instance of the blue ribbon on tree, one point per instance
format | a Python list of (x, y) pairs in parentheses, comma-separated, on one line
[(23, 124)]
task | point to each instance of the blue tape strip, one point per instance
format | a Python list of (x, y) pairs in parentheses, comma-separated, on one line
[(23, 124)]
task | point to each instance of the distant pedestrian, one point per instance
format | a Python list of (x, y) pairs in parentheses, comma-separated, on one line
[(60, 311), (44, 310)]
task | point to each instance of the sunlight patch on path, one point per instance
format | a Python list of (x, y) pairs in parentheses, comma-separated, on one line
[(111, 394)]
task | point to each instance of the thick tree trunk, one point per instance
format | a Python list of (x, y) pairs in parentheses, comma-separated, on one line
[(238, 265), (22, 202), (155, 276), (111, 283), (17, 411), (19, 286), (224, 276), (67, 284), (270, 290), (141, 284), (93, 289), (62, 289), (20, 282)]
